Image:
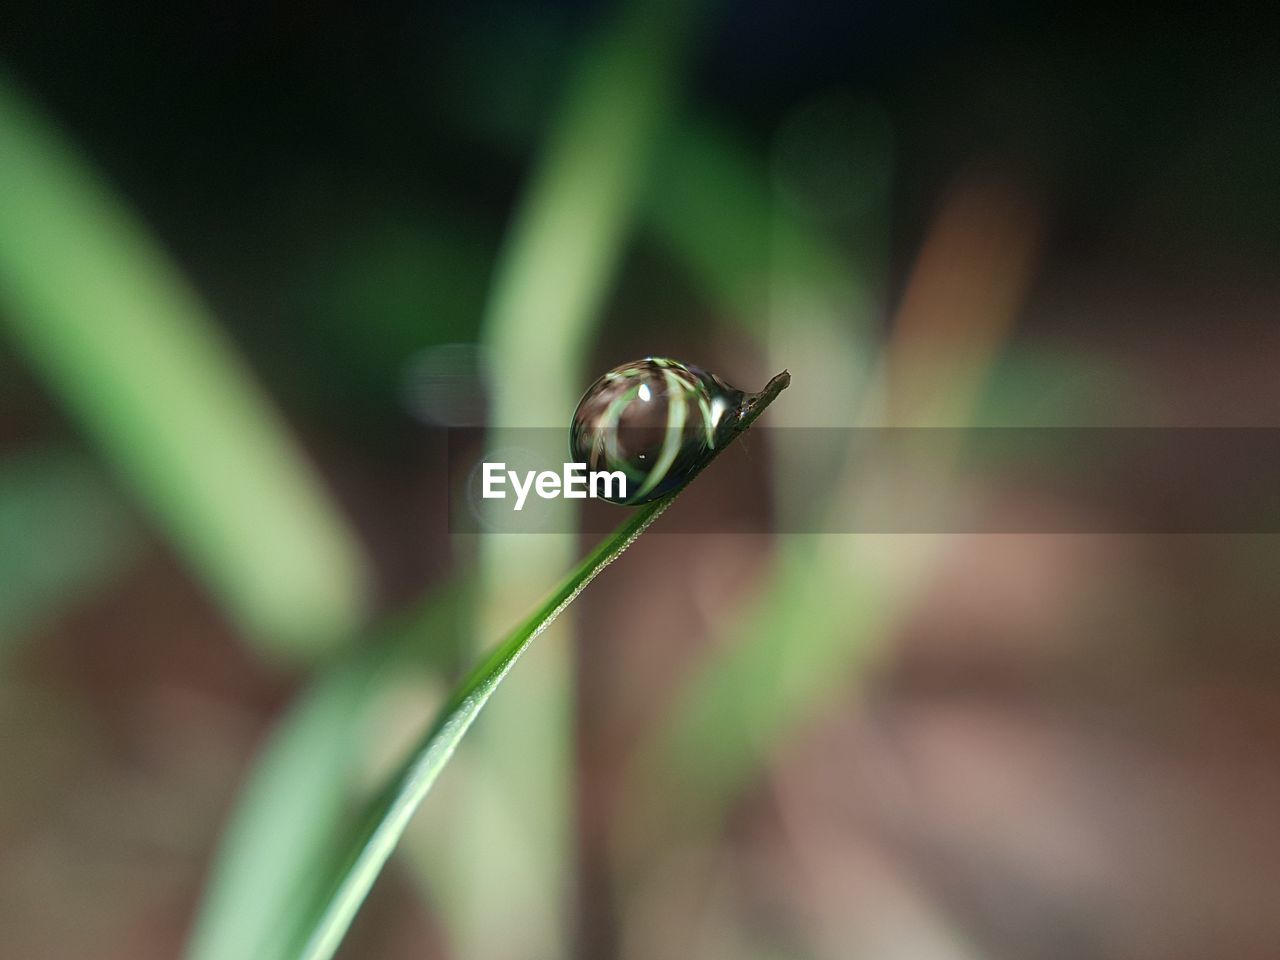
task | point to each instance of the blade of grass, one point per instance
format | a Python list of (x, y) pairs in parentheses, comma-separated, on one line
[(285, 817), (559, 260), (290, 809), (382, 825), (102, 315), (568, 234)]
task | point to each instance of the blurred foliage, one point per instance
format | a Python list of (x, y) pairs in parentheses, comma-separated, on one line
[(136, 358), (63, 534), (373, 202), (808, 631), (294, 805), (409, 280)]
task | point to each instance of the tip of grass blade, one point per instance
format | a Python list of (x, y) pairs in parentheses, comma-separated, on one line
[(757, 402)]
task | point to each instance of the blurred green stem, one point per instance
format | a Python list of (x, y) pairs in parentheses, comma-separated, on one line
[(289, 813), (558, 262), (103, 316), (834, 598)]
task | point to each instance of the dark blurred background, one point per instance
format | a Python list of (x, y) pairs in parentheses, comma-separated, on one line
[(394, 220)]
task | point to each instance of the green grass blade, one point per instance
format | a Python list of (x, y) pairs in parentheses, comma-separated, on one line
[(101, 314), (287, 813), (290, 811), (560, 258), (562, 250), (385, 821)]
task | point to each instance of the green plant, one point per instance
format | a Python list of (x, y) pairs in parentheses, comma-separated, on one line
[(384, 821), (291, 808), (311, 921)]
